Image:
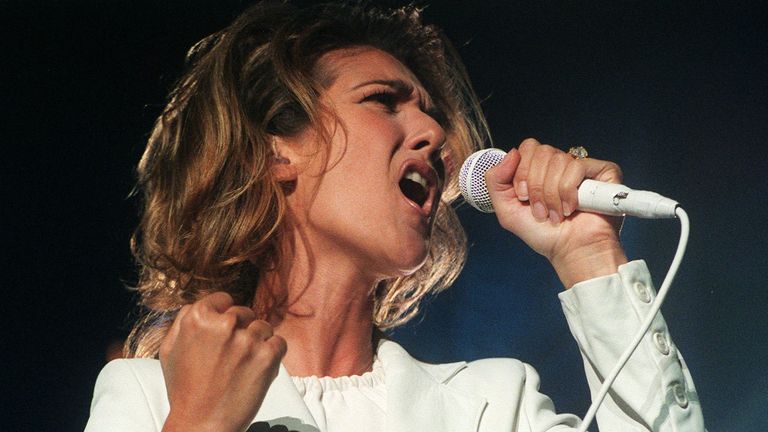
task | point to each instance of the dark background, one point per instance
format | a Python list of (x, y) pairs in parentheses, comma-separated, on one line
[(674, 91)]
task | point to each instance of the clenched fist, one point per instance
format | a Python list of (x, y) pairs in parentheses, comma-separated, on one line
[(218, 361)]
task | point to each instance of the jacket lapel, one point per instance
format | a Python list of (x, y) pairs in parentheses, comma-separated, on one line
[(417, 398), (283, 405)]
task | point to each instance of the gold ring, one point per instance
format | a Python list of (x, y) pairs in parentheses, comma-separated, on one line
[(578, 152)]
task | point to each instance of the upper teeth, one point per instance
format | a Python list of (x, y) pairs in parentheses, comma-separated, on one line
[(416, 177)]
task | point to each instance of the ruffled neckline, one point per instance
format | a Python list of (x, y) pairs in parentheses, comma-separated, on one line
[(370, 379)]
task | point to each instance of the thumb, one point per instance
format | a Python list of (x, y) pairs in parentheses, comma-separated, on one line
[(499, 178)]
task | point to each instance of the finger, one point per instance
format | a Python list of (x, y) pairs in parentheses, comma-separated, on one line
[(278, 344), (219, 301), (552, 198), (500, 177), (526, 149), (260, 329), (580, 169), (244, 315), (271, 352), (536, 176), (601, 170), (572, 177), (209, 313)]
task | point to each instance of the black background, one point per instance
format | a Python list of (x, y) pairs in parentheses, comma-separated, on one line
[(674, 91)]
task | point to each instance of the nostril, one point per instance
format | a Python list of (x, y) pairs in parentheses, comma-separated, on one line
[(420, 145)]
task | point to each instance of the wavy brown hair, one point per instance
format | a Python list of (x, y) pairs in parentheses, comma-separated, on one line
[(212, 212)]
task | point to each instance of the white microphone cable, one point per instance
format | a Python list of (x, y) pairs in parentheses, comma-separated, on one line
[(605, 198), (662, 294)]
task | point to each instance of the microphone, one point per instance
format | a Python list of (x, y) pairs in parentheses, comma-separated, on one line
[(594, 196)]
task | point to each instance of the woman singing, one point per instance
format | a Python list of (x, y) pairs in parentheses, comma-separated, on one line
[(297, 192)]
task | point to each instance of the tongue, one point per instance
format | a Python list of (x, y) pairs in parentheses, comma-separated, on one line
[(413, 191)]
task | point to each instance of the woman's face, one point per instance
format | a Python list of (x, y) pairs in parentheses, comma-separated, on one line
[(369, 198)]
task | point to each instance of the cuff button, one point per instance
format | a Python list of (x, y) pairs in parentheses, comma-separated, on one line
[(678, 391), (660, 340), (642, 291)]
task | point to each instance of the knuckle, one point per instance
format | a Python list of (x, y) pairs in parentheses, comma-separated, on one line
[(565, 188), (546, 149), (218, 295), (242, 342), (200, 307), (535, 189), (529, 143), (227, 322), (563, 159), (226, 296), (551, 195), (616, 169), (194, 318), (262, 328)]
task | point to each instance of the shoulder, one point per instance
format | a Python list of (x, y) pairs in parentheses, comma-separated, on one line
[(492, 378), (129, 393), (510, 390), (144, 375), (136, 368)]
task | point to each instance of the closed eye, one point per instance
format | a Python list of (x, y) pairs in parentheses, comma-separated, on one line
[(386, 98)]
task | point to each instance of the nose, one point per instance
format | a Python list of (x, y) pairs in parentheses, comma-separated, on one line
[(427, 135)]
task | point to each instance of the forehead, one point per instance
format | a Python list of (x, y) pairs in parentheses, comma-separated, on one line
[(347, 67)]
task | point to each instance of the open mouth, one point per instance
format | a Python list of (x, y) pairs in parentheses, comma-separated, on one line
[(415, 187), (418, 184)]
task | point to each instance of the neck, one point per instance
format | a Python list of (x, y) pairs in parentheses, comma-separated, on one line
[(323, 307)]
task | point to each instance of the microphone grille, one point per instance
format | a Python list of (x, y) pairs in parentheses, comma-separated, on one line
[(472, 178)]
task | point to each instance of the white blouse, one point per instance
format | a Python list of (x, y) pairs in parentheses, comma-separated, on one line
[(347, 403)]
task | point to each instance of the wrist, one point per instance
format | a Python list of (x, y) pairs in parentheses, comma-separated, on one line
[(588, 263)]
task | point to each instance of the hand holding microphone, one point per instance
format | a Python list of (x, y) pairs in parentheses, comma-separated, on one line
[(594, 196), (535, 191)]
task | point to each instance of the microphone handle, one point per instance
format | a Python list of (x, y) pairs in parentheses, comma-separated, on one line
[(617, 200)]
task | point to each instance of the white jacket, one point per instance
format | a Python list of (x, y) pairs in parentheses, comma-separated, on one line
[(654, 391)]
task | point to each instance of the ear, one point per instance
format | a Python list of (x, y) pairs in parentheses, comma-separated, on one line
[(282, 168)]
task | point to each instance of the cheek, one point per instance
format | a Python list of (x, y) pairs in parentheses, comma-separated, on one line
[(366, 151), (368, 125)]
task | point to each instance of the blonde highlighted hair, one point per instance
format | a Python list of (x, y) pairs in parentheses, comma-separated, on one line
[(212, 212)]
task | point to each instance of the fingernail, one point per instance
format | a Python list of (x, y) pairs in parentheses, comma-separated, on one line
[(554, 217), (539, 211), (566, 209), (522, 191)]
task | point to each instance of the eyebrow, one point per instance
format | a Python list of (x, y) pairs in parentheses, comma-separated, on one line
[(398, 85), (402, 88), (405, 89)]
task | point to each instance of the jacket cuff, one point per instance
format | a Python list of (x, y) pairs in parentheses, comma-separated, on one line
[(654, 387)]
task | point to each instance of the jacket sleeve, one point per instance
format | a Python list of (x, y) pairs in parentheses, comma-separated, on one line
[(122, 402), (654, 391)]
